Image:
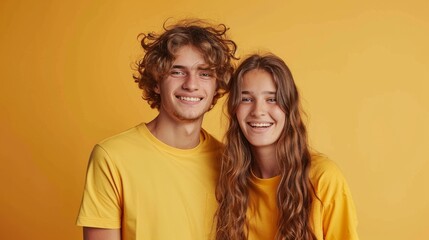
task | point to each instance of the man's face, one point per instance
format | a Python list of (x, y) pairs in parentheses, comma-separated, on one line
[(188, 89)]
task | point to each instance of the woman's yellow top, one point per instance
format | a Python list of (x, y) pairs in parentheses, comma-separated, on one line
[(333, 214)]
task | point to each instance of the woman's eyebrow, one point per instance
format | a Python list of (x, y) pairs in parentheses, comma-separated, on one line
[(263, 92)]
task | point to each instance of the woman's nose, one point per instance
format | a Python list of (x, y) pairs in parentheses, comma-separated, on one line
[(258, 109)]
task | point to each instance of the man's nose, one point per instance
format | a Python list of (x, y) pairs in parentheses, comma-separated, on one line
[(191, 82)]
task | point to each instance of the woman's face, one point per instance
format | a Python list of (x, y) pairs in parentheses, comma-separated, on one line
[(260, 117)]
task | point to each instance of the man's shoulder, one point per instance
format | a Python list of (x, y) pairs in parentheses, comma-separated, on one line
[(127, 137), (211, 141)]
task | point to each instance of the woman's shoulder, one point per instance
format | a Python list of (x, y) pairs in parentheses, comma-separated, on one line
[(327, 179), (321, 165)]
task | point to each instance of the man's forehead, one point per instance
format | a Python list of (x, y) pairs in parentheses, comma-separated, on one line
[(190, 57)]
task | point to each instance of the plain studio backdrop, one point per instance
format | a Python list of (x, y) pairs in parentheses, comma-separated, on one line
[(66, 83)]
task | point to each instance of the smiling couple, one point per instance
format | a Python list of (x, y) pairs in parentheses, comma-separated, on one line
[(170, 179)]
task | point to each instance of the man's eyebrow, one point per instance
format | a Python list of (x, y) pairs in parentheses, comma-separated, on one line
[(178, 66), (202, 67), (206, 67)]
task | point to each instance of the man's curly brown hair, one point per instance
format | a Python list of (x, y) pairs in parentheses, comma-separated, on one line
[(211, 40)]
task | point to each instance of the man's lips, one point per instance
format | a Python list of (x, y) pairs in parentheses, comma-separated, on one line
[(190, 99)]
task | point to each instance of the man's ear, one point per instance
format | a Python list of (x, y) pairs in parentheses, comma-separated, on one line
[(156, 89)]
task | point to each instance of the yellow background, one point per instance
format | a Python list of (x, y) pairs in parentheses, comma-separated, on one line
[(362, 68)]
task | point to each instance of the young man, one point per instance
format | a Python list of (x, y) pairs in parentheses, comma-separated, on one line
[(157, 180)]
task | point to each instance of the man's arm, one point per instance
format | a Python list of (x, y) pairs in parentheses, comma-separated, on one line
[(100, 212), (90, 233)]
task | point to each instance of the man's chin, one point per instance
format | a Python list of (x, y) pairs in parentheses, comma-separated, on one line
[(190, 117)]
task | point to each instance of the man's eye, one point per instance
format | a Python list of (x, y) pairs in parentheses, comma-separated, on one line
[(206, 74), (177, 73)]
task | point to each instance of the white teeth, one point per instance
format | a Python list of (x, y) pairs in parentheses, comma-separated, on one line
[(190, 99), (260, 125)]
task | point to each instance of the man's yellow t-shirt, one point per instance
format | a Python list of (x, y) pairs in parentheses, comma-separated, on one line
[(333, 215), (151, 190)]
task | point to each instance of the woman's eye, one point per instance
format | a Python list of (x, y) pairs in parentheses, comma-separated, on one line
[(271, 100), (246, 99)]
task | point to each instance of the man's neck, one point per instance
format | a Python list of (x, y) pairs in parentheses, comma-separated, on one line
[(183, 135)]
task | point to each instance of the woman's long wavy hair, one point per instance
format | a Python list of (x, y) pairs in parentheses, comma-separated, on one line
[(295, 192)]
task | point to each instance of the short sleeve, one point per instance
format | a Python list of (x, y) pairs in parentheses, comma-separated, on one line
[(102, 198), (339, 214)]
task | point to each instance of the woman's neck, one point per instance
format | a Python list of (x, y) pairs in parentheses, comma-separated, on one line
[(265, 164)]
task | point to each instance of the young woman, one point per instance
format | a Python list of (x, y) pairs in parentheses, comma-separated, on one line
[(271, 186)]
